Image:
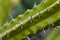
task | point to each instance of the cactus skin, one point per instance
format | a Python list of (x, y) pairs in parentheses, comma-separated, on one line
[(28, 14), (53, 20), (40, 35), (24, 16), (36, 27), (28, 31)]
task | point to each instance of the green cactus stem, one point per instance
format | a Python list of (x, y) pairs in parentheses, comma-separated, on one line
[(38, 26), (34, 23), (34, 28)]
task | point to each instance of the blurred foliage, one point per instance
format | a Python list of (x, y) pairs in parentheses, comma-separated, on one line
[(5, 6), (22, 6), (30, 3)]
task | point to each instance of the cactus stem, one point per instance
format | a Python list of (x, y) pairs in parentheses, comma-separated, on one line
[(13, 28), (48, 9), (32, 32)]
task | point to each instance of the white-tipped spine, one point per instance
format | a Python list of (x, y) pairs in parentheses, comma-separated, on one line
[(30, 19), (39, 14), (21, 25), (44, 31)]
